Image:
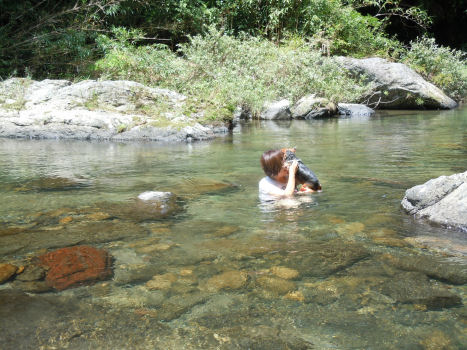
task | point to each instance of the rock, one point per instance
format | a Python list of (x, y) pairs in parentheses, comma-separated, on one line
[(161, 282), (154, 196), (74, 266), (32, 273), (415, 288), (295, 296), (227, 280), (440, 268), (276, 285), (354, 110), (311, 107), (442, 200), (276, 110), (52, 183), (324, 259), (145, 210), (396, 86), (284, 272), (32, 286), (6, 272), (90, 109)]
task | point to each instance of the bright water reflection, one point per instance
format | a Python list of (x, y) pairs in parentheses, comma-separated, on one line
[(345, 269)]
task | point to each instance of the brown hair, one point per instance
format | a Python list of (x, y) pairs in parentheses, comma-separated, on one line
[(271, 161)]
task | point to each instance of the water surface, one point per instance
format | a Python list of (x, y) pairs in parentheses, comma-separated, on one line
[(343, 269)]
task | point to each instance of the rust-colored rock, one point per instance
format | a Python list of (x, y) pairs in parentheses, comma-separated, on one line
[(74, 266)]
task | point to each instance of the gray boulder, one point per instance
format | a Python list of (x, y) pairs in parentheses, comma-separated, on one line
[(90, 109), (312, 107), (354, 110), (276, 110), (396, 86), (442, 200)]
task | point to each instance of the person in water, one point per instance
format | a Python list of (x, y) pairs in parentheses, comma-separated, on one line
[(280, 175)]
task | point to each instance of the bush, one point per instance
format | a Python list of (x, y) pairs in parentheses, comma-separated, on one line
[(219, 72), (444, 67)]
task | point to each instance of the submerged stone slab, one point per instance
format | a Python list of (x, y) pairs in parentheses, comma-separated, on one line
[(442, 200), (354, 110), (74, 266)]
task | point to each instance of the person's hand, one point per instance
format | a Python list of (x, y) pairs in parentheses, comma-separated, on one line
[(293, 168)]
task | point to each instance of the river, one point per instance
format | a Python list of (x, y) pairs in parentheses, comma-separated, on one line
[(345, 268)]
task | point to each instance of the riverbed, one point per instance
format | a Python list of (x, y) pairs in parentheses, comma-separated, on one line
[(345, 268)]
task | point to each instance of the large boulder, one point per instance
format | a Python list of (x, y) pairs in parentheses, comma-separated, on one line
[(442, 200), (396, 86), (90, 109)]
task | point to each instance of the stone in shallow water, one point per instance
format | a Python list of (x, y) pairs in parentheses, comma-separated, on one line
[(227, 280), (32, 273), (73, 266), (51, 184), (275, 285), (324, 259), (284, 272), (7, 271), (154, 196), (161, 282), (415, 288), (439, 268)]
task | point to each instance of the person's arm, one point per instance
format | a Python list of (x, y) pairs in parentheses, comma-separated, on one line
[(289, 190)]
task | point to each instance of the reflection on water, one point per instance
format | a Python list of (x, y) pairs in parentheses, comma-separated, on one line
[(218, 268)]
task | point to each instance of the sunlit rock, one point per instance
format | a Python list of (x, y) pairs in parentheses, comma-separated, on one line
[(161, 282), (312, 107), (442, 200), (396, 86), (354, 110)]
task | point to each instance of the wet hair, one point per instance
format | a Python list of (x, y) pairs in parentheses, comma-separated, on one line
[(272, 161)]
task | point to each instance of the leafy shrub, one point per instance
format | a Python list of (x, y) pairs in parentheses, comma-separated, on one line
[(444, 67), (219, 72)]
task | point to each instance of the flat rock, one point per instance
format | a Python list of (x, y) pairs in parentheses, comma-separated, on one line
[(396, 86), (101, 110), (74, 266), (415, 288), (442, 200), (440, 268)]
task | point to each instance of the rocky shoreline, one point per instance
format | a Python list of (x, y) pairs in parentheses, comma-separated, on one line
[(129, 111)]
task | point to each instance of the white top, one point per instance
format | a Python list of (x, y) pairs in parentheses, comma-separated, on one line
[(268, 186)]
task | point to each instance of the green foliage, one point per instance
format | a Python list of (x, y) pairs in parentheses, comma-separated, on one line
[(445, 67), (219, 72)]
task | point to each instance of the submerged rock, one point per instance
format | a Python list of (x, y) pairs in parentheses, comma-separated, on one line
[(52, 183), (396, 86), (439, 268), (7, 271), (74, 266), (442, 200), (227, 280), (415, 288)]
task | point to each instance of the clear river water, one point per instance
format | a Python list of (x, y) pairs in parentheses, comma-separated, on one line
[(345, 268)]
